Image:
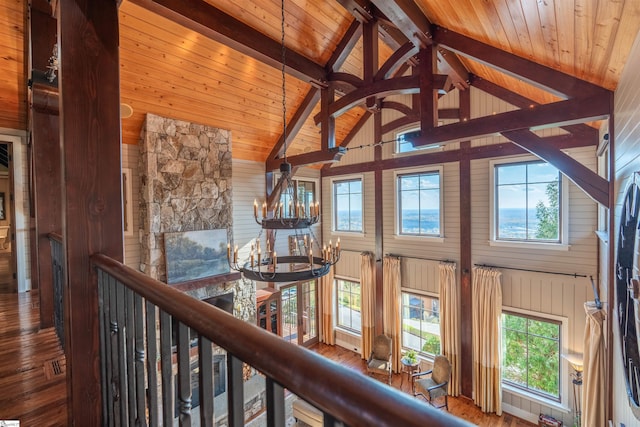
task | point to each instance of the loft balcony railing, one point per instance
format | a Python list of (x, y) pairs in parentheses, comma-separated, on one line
[(148, 380), (57, 271)]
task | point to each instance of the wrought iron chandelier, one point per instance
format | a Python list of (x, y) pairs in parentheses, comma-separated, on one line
[(308, 263)]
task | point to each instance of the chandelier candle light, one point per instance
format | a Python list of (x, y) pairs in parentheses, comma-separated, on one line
[(267, 266)]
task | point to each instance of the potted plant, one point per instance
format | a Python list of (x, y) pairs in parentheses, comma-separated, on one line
[(411, 357)]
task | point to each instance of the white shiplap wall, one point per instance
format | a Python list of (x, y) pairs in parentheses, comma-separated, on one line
[(582, 255), (627, 161), (130, 156)]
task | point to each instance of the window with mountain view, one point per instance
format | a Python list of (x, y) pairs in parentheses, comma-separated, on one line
[(347, 205), (419, 204), (531, 354), (527, 202)]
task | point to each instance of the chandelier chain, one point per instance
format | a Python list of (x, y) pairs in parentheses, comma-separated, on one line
[(284, 91)]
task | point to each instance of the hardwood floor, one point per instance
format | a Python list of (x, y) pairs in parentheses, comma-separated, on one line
[(7, 282), (33, 375), (32, 365), (461, 407)]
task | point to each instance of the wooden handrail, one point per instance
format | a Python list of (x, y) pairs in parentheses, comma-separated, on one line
[(55, 236), (345, 394)]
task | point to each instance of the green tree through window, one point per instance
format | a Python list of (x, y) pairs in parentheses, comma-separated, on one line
[(548, 215), (531, 354)]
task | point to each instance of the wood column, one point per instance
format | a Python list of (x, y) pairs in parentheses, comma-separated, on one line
[(91, 173), (379, 220), (47, 186), (44, 158), (466, 334)]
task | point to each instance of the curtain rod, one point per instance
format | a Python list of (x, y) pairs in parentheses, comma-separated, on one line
[(595, 294), (423, 259), (532, 271)]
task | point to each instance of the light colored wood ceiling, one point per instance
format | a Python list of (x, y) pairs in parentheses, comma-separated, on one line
[(169, 70), (588, 39), (13, 87)]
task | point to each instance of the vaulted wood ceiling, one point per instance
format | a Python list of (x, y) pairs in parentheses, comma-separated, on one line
[(176, 71)]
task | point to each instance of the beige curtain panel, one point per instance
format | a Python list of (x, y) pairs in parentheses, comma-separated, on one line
[(327, 290), (593, 396), (367, 274), (393, 308), (486, 329), (450, 323)]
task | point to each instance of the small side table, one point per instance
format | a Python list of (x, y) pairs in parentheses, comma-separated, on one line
[(409, 368)]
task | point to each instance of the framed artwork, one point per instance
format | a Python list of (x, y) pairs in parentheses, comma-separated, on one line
[(194, 255), (3, 214)]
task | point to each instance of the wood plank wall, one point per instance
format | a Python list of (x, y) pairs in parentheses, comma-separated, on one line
[(627, 135)]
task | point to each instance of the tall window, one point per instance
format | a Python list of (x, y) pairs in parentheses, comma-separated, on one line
[(531, 354), (349, 301), (305, 192), (347, 205), (404, 145), (419, 204), (527, 202), (421, 323)]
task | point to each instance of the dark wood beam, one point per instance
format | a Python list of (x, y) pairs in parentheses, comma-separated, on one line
[(379, 89), (332, 155), (546, 78), (399, 57), (91, 177), (297, 121), (413, 23), (217, 25), (344, 48), (327, 121), (523, 102), (409, 19), (562, 142), (360, 9), (428, 97), (379, 228), (465, 358), (548, 115), (590, 182)]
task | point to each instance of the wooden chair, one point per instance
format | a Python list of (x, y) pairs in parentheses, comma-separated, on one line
[(379, 361), (436, 386)]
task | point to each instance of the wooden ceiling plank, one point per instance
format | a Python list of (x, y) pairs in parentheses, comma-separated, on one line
[(217, 25), (538, 75), (548, 30), (548, 115), (590, 182), (607, 24), (231, 72)]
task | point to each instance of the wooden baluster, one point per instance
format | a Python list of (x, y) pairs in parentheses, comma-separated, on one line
[(105, 348), (123, 378), (235, 392), (184, 376), (205, 380), (129, 333), (275, 404), (141, 418), (152, 364), (113, 379), (165, 368)]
